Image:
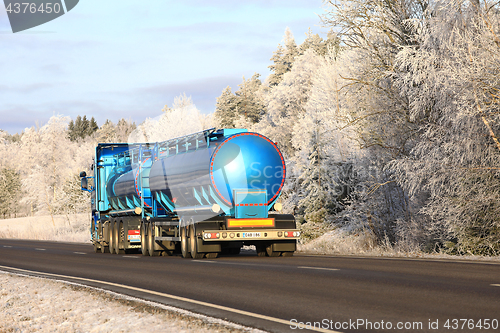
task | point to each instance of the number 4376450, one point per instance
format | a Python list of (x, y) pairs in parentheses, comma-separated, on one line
[(26, 8)]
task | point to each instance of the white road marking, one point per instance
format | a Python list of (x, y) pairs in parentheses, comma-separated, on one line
[(209, 261), (454, 261), (495, 285), (40, 249), (321, 268), (79, 253), (7, 246), (179, 298), (130, 257)]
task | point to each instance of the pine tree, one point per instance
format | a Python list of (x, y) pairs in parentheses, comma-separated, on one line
[(10, 192), (81, 128), (283, 58), (225, 109), (92, 127), (248, 103)]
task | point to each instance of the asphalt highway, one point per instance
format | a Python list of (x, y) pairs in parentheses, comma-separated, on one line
[(336, 293)]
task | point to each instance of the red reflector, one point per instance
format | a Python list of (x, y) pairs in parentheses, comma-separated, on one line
[(213, 235), (134, 232), (288, 234)]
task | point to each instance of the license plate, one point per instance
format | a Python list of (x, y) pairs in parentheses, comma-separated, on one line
[(134, 238), (251, 234)]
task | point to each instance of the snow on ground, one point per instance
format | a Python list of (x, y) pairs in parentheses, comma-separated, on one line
[(66, 228), (341, 242), (30, 304)]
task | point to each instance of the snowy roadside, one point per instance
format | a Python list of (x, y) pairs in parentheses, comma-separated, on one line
[(340, 242), (31, 304)]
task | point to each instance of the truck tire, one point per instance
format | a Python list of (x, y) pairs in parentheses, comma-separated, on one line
[(271, 253), (120, 238), (144, 243), (184, 242), (104, 245), (112, 237), (261, 250), (194, 244), (151, 241), (104, 249), (212, 255), (95, 242)]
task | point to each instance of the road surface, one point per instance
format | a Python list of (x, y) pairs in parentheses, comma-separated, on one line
[(337, 293)]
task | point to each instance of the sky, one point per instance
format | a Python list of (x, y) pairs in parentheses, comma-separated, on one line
[(127, 59)]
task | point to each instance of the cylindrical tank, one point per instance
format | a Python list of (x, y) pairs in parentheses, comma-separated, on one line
[(240, 161)]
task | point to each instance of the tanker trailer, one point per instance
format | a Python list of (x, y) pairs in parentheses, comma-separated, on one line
[(201, 194)]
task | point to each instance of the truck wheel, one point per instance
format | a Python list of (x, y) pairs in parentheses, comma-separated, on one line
[(104, 249), (144, 244), (95, 242), (212, 255), (194, 244), (287, 254), (97, 246), (120, 238), (112, 237), (184, 243), (104, 245), (151, 240), (261, 250), (271, 253)]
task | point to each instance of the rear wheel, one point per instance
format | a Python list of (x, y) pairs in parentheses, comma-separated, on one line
[(151, 240), (120, 238), (287, 254), (95, 242), (104, 247), (261, 250), (194, 244), (271, 253), (112, 239), (144, 243), (212, 255), (184, 242), (97, 247)]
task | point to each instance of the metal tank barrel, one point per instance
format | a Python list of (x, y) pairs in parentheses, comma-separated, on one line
[(242, 161), (199, 178)]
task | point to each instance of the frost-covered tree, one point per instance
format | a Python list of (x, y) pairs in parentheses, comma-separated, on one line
[(286, 101), (177, 122), (246, 103), (452, 82), (109, 132), (10, 192), (283, 58), (45, 164), (225, 109), (180, 101)]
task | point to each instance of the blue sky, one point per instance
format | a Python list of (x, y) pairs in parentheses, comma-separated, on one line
[(127, 59)]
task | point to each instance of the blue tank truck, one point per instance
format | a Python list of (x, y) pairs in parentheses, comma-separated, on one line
[(201, 194)]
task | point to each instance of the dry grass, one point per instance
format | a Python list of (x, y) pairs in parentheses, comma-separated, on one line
[(63, 228)]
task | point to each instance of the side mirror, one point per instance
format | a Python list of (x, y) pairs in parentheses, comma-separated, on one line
[(83, 174), (85, 183)]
